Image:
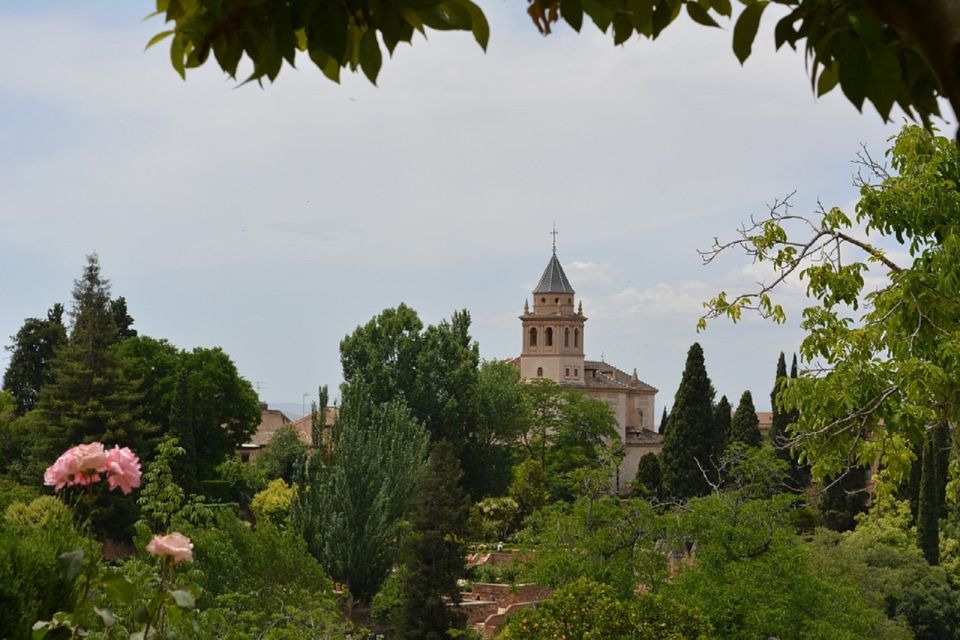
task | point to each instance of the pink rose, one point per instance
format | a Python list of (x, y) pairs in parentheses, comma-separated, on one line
[(123, 469), (79, 465), (175, 546)]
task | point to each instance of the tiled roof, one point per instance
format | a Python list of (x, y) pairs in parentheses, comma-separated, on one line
[(553, 280), (609, 376), (270, 421)]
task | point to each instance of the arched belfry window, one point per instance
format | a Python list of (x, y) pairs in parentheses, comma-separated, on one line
[(566, 337), (548, 337), (576, 337), (533, 337), (539, 372)]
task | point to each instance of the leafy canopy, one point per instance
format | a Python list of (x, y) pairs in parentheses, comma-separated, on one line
[(877, 51)]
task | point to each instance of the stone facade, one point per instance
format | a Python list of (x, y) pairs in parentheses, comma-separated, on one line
[(553, 348)]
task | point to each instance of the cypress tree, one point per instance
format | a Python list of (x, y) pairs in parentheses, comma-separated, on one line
[(689, 438), (942, 445), (745, 426), (663, 422), (183, 429), (722, 417), (649, 479), (436, 553), (928, 511), (780, 420), (844, 499)]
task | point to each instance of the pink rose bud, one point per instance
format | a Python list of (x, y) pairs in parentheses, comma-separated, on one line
[(175, 546)]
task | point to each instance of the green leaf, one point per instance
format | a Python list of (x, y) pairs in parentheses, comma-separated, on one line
[(183, 599), (745, 31), (572, 12), (478, 23), (412, 18), (854, 74), (622, 28), (119, 589), (176, 55), (326, 64), (699, 15), (827, 80), (885, 80), (371, 58), (785, 33), (157, 38), (71, 564), (723, 7)]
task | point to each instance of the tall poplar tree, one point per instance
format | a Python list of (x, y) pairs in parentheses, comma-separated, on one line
[(745, 426), (688, 444), (436, 553)]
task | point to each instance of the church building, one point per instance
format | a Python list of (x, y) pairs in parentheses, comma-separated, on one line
[(553, 348)]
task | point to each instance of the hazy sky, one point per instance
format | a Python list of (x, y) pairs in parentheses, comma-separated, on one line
[(273, 221)]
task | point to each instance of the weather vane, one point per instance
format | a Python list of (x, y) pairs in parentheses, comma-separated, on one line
[(554, 234)]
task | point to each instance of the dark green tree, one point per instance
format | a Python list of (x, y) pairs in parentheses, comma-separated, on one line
[(184, 430), (31, 356), (349, 509), (382, 355), (663, 422), (843, 499), (436, 372), (318, 417), (122, 319), (435, 551), (928, 508), (722, 425), (649, 479), (283, 455), (92, 395), (220, 404), (745, 426), (778, 424), (688, 444)]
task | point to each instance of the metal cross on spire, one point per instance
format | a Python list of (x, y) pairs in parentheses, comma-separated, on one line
[(554, 234)]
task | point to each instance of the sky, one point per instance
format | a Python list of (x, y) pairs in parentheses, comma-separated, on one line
[(272, 221)]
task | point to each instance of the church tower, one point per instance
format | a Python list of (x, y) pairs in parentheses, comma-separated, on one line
[(553, 331)]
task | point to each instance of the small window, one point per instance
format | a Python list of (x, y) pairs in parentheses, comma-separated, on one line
[(245, 457), (543, 299), (566, 337), (533, 337), (568, 372), (548, 337), (576, 337), (569, 300), (556, 301), (539, 372)]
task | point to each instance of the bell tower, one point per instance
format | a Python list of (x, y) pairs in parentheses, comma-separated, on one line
[(553, 330)]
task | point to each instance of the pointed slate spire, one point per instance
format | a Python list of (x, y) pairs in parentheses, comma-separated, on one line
[(553, 280)]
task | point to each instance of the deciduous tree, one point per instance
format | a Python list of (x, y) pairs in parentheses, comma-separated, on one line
[(31, 355)]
